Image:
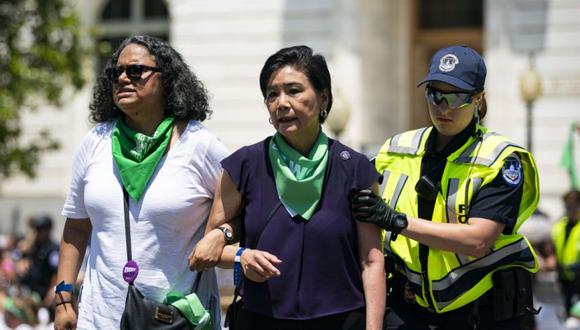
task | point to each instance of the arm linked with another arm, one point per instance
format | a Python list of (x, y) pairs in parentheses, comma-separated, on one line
[(225, 211)]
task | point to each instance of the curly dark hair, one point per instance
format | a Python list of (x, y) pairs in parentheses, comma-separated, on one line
[(185, 96), (304, 60)]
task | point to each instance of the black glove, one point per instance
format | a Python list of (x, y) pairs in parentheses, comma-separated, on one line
[(370, 208)]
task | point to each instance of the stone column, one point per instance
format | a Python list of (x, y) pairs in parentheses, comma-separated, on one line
[(385, 49)]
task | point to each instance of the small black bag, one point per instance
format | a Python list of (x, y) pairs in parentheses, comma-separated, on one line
[(235, 308), (233, 312), (143, 313)]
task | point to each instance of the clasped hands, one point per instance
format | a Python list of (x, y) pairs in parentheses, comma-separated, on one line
[(257, 265)]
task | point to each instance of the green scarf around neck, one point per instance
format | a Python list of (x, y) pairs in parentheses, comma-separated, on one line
[(137, 155), (299, 179)]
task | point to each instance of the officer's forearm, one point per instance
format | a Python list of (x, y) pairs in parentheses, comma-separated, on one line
[(473, 239)]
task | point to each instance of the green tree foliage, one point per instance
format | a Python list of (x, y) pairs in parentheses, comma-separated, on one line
[(40, 56)]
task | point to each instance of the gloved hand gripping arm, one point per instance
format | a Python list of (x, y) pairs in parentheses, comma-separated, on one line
[(368, 207)]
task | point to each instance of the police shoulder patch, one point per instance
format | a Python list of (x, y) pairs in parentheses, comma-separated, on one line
[(511, 171)]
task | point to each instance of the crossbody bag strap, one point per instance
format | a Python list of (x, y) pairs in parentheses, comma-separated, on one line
[(196, 281), (256, 239), (198, 275), (127, 224)]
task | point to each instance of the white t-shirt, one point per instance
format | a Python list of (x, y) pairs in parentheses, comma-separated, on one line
[(165, 224)]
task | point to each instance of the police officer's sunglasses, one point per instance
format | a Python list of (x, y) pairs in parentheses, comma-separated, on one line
[(133, 71), (454, 100)]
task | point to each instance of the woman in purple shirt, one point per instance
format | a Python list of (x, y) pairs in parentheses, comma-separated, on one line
[(307, 263)]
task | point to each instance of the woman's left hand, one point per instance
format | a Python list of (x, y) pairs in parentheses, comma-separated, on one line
[(207, 252), (258, 265)]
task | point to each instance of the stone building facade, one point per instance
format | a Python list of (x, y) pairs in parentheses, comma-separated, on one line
[(377, 51)]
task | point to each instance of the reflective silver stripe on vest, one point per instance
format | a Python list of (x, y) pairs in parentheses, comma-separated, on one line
[(475, 185), (466, 158), (383, 184), (397, 193), (388, 235), (451, 201), (494, 154), (415, 143), (443, 304), (490, 259), (413, 277), (483, 262), (462, 259)]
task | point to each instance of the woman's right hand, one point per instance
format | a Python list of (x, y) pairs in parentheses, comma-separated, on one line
[(259, 266), (207, 252), (65, 317)]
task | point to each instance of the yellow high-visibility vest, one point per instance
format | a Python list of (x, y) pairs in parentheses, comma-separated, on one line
[(566, 249), (452, 280)]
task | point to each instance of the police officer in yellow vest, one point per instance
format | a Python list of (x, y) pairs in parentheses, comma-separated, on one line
[(457, 194), (566, 240)]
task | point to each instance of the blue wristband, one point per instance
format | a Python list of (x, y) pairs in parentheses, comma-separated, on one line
[(238, 267), (63, 287)]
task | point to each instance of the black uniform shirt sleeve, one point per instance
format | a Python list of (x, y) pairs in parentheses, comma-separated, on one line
[(500, 199)]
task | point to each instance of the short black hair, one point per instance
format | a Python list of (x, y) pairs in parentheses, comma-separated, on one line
[(185, 96), (301, 58)]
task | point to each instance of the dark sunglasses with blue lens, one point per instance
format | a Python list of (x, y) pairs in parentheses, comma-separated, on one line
[(454, 100), (133, 71)]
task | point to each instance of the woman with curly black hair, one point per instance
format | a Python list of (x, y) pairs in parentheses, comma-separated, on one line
[(150, 150), (184, 95)]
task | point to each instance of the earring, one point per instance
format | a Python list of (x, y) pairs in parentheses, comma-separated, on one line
[(270, 120), (323, 114)]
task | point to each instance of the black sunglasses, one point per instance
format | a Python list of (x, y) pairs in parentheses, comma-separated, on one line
[(134, 72)]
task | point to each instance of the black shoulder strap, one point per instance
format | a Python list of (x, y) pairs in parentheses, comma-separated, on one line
[(128, 238), (257, 238), (255, 244), (127, 224)]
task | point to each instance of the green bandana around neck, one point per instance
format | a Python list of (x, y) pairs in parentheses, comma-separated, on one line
[(137, 155), (299, 179)]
